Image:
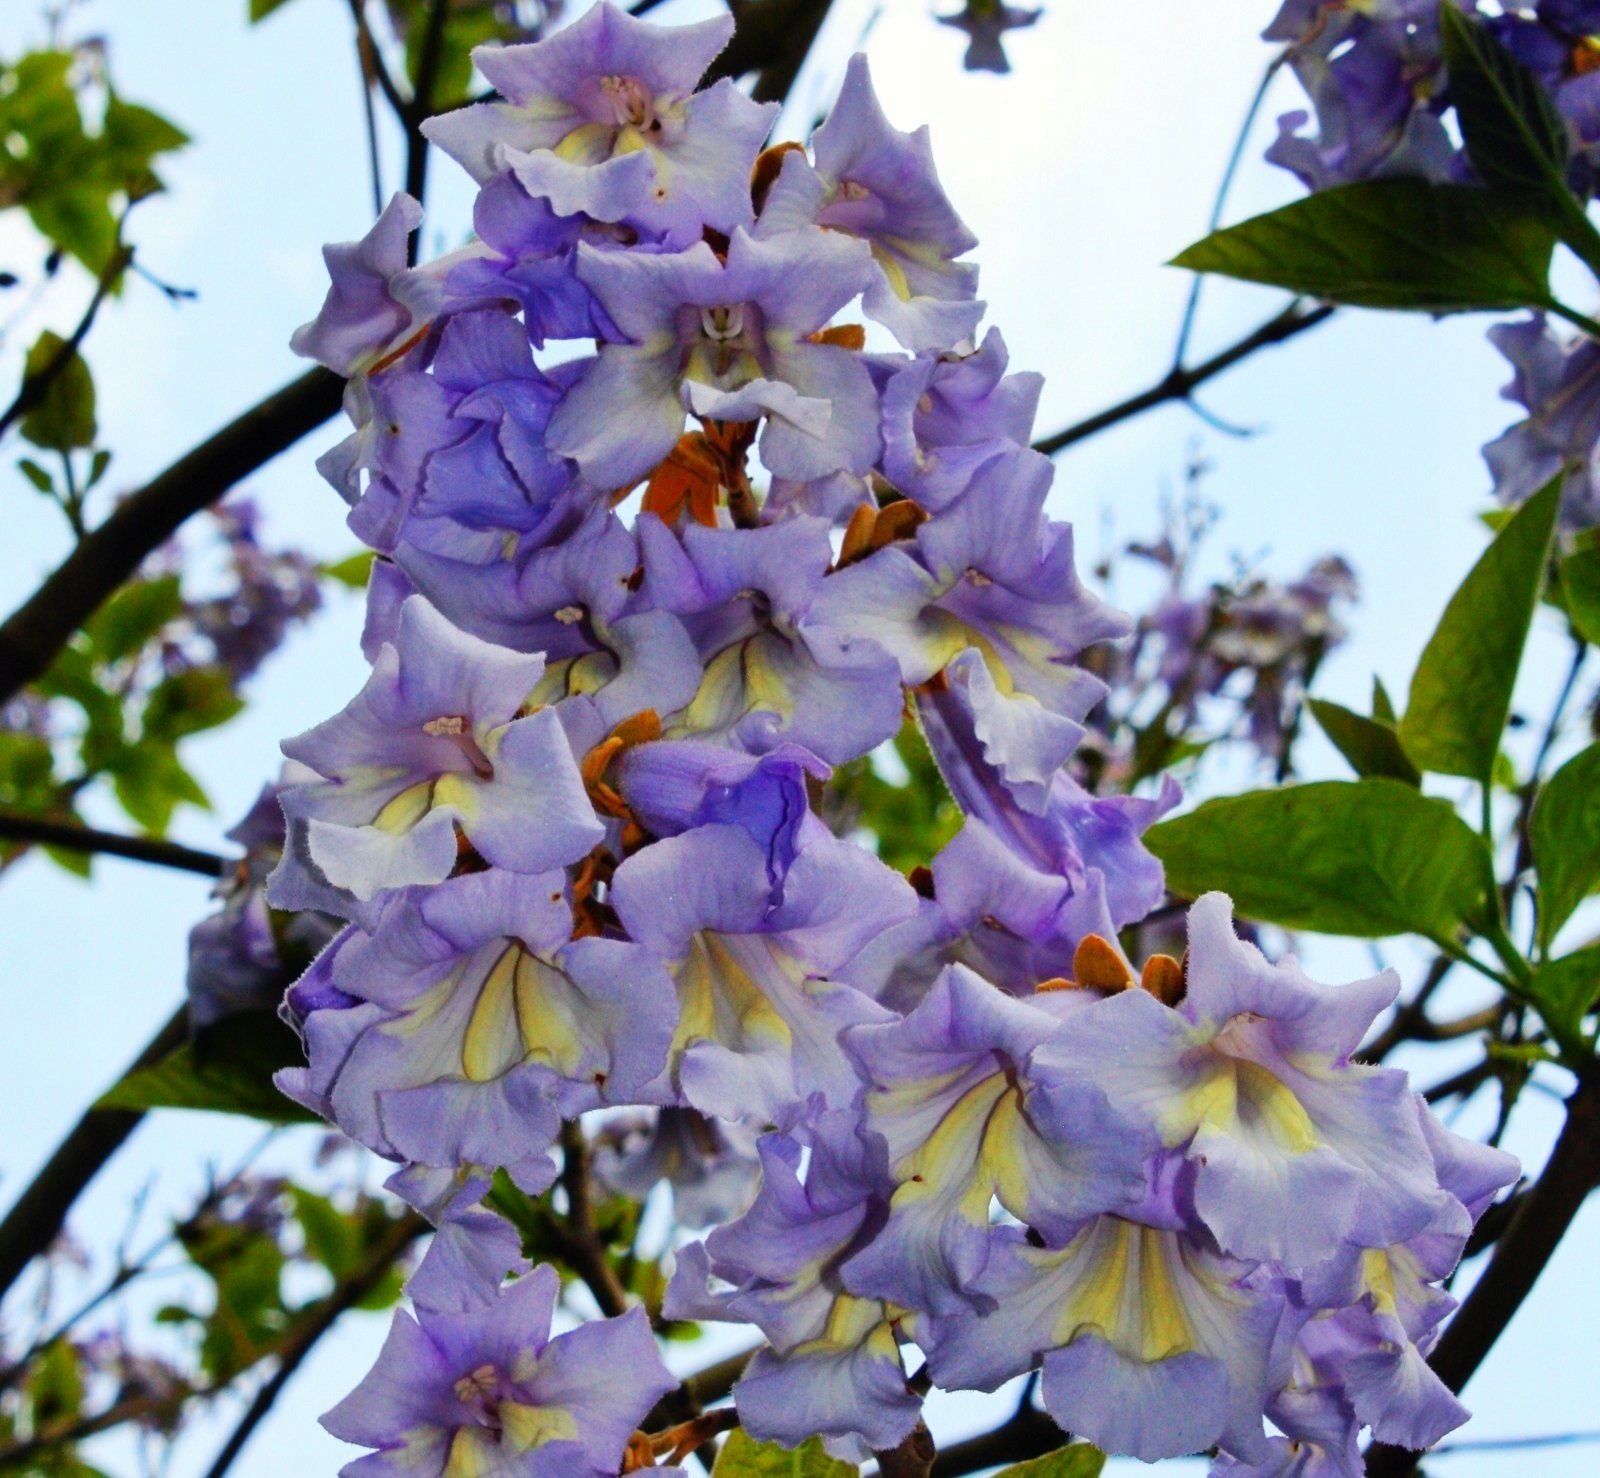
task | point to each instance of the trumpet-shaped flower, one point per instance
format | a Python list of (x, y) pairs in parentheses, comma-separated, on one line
[(729, 339), (874, 182), (456, 1395), (602, 119), (1296, 1151), (432, 750), (759, 1016)]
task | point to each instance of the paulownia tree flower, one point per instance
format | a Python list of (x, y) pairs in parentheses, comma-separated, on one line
[(602, 119), (455, 1395), (433, 749)]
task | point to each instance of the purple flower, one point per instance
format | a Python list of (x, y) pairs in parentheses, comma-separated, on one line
[(774, 673), (759, 1015), (946, 414), (602, 120), (874, 182), (433, 748), (1296, 1151), (1558, 383), (496, 1024), (833, 1362), (489, 1391), (711, 1165), (728, 339), (1373, 80), (950, 1088), (363, 316), (1153, 1343), (989, 572)]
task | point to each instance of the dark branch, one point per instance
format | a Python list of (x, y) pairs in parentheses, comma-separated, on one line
[(1527, 1245), (1030, 1433), (771, 34), (421, 106), (306, 1333), (581, 1244), (34, 1221), (73, 838), (1180, 384), (112, 553)]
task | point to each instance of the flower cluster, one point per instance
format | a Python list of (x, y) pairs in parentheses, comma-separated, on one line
[(633, 605)]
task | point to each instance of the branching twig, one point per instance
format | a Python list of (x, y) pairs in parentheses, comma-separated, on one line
[(582, 1248), (74, 838), (1030, 1433), (35, 385), (1180, 384)]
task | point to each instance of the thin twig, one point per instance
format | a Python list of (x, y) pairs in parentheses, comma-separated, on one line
[(1410, 1017), (35, 385), (1180, 384), (373, 58), (421, 107), (1030, 1433), (582, 1247), (71, 837)]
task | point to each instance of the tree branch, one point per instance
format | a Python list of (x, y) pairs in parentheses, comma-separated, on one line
[(421, 106), (769, 35), (1030, 1433), (112, 553), (582, 1248), (304, 1336), (74, 838), (1180, 384), (1535, 1231), (34, 1221)]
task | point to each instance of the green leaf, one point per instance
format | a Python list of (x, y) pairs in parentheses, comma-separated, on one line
[(332, 1238), (1515, 138), (355, 570), (1580, 588), (1392, 243), (1368, 858), (228, 1071), (1564, 832), (1371, 746), (36, 475), (151, 783), (133, 616), (62, 419), (1565, 989), (1078, 1460), (189, 703), (743, 1457), (261, 9), (1461, 694), (1382, 703)]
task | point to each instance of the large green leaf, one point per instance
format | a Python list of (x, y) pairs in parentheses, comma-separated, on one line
[(1394, 243), (1371, 746), (1564, 833), (1461, 693), (228, 1071), (1565, 989), (743, 1457), (1079, 1460), (1368, 858)]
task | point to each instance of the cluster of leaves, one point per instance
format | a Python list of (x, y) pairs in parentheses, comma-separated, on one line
[(76, 157), (232, 1261), (145, 674), (1376, 856)]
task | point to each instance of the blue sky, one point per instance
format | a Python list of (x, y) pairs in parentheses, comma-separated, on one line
[(1081, 173)]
